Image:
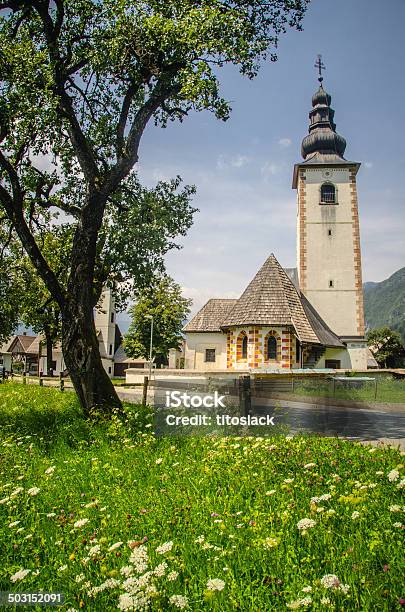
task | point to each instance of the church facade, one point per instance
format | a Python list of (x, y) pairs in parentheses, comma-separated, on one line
[(310, 316)]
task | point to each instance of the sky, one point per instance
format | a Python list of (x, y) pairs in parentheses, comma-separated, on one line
[(243, 168)]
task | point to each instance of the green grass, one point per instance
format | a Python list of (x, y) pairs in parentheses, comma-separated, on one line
[(388, 390), (230, 506)]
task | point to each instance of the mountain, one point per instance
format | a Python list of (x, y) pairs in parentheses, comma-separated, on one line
[(384, 303)]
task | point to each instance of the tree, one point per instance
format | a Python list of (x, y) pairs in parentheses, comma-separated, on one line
[(79, 82), (386, 346), (10, 294), (38, 309), (164, 302)]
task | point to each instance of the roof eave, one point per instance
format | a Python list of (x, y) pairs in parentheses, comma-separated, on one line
[(299, 165)]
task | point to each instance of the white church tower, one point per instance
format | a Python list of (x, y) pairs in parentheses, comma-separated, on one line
[(105, 323), (328, 235)]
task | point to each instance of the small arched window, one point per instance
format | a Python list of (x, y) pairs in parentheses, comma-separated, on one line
[(244, 347), (328, 193), (271, 348)]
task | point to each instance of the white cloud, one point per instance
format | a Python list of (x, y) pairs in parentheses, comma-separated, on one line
[(269, 169), (284, 142), (237, 161)]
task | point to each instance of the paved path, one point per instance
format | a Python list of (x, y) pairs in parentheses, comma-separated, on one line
[(351, 423), (370, 426)]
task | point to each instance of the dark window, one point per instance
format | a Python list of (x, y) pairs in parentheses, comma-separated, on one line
[(109, 370), (244, 347), (329, 232), (110, 353), (332, 364), (297, 350), (331, 283), (53, 366), (210, 355), (112, 317), (271, 348), (328, 194)]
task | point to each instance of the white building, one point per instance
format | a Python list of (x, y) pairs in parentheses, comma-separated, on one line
[(310, 316)]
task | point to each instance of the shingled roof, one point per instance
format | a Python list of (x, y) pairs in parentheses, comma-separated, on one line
[(271, 299), (210, 317)]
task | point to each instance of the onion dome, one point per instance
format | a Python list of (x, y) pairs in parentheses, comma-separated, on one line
[(322, 139)]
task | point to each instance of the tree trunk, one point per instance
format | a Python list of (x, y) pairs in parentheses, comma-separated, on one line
[(49, 351), (83, 361)]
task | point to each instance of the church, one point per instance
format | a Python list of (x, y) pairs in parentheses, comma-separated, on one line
[(310, 316)]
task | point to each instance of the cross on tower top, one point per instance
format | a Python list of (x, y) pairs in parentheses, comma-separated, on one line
[(319, 64)]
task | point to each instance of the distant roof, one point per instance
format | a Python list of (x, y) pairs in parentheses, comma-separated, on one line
[(271, 299), (120, 356), (210, 317), (24, 341)]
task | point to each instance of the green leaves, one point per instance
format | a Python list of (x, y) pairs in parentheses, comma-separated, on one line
[(164, 302)]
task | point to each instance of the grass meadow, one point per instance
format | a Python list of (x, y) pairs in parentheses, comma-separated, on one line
[(118, 519)]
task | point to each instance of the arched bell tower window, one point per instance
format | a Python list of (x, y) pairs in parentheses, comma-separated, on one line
[(328, 193)]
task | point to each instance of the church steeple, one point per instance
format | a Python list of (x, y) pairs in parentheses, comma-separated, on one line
[(322, 142)]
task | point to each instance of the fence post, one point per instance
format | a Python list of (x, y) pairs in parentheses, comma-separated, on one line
[(41, 380), (145, 390), (24, 378), (61, 382), (375, 389), (245, 395), (334, 386)]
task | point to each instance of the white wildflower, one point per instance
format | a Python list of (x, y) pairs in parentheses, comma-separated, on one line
[(164, 548), (325, 601), (355, 515), (94, 550), (215, 584), (62, 568), (16, 491), (4, 500), (115, 546), (268, 493), (395, 508), (20, 575), (127, 570), (160, 569), (128, 602), (393, 475), (270, 543), (80, 523), (51, 514), (79, 578), (401, 484), (344, 588), (171, 576), (33, 491), (14, 524), (307, 589), (92, 504), (50, 470), (398, 525), (139, 559), (200, 539), (159, 461), (179, 601), (309, 465), (330, 581), (288, 480), (305, 523)]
